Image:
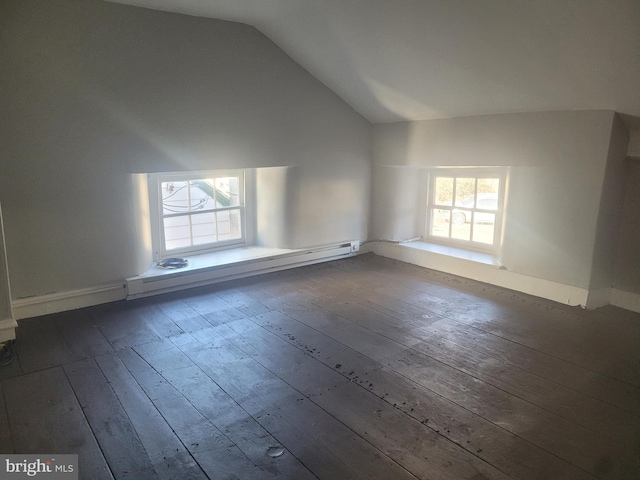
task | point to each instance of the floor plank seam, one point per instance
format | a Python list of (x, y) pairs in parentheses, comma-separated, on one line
[(471, 375), (91, 428), (323, 409), (492, 384), (415, 418)]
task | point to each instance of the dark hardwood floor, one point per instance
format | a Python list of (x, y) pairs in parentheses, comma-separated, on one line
[(362, 368)]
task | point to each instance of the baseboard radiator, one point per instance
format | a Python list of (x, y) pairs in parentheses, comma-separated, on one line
[(144, 286)]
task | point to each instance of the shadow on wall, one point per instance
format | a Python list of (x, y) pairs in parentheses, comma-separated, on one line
[(633, 126)]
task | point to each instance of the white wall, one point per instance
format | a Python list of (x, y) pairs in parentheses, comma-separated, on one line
[(7, 320), (399, 194), (611, 208), (634, 141), (92, 92), (5, 290), (627, 266), (558, 162), (274, 206)]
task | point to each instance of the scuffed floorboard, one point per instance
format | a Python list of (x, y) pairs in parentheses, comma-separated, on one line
[(359, 368)]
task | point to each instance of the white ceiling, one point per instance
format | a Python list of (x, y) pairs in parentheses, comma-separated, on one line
[(397, 60)]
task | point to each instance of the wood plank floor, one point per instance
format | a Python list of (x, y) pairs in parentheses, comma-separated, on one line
[(361, 368)]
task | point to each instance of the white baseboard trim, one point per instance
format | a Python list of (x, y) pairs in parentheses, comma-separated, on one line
[(567, 294), (63, 301), (626, 300), (7, 329), (171, 281), (482, 272), (598, 298)]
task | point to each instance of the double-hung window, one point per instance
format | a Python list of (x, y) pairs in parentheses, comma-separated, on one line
[(466, 207), (198, 212)]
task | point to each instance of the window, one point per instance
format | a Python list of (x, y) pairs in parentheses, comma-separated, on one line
[(198, 212), (465, 207)]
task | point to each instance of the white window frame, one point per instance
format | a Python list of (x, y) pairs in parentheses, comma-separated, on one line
[(157, 216), (467, 172)]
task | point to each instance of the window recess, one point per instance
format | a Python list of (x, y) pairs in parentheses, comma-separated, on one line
[(197, 212), (465, 207)]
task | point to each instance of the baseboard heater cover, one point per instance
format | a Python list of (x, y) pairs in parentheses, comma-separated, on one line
[(144, 286)]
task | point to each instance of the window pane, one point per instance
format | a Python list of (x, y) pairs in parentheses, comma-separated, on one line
[(440, 222), (175, 197), (180, 243), (177, 232), (177, 227), (465, 191), (488, 185), (235, 224), (488, 193), (461, 231), (227, 191), (465, 208), (208, 218), (223, 225), (202, 194), (204, 239), (191, 196), (460, 217), (487, 201), (484, 227), (229, 227), (190, 211), (204, 228), (443, 194)]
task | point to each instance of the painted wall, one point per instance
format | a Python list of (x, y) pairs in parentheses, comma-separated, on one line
[(611, 208), (557, 162), (633, 126), (274, 205), (5, 289), (627, 267), (634, 141), (92, 92), (399, 194)]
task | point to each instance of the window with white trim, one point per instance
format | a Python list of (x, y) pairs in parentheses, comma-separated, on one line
[(466, 207), (197, 212)]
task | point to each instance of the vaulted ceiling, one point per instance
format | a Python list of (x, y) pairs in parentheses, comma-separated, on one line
[(395, 60)]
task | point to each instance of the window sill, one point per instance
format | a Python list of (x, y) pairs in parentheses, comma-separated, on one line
[(455, 252), (231, 264), (216, 259)]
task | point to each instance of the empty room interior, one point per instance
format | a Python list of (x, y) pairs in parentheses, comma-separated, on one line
[(320, 239)]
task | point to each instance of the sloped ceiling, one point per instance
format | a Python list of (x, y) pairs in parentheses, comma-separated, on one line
[(394, 60)]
